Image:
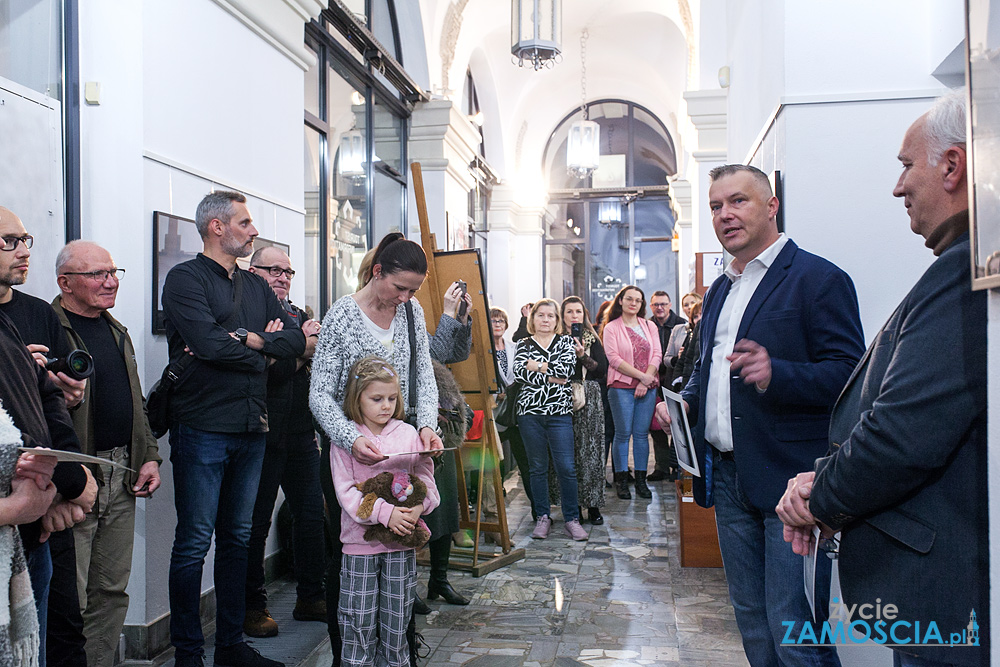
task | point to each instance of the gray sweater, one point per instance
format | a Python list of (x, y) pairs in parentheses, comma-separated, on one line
[(343, 340)]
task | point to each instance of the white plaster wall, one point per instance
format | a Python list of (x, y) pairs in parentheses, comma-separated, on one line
[(187, 84), (756, 33), (861, 46), (839, 167), (220, 99)]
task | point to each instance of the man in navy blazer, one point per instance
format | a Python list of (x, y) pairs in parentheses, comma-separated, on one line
[(780, 334), (905, 479)]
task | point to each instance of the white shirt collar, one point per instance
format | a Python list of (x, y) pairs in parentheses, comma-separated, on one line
[(766, 258)]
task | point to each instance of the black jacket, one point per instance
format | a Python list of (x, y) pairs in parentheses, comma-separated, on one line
[(224, 390)]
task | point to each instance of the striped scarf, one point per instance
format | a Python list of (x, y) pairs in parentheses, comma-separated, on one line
[(18, 617)]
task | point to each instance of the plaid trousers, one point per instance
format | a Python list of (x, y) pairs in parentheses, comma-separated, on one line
[(376, 602)]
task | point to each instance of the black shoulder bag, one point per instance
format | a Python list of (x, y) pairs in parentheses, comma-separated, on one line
[(157, 402), (411, 412), (505, 414)]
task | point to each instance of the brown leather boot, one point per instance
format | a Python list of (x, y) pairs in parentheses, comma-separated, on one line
[(258, 623)]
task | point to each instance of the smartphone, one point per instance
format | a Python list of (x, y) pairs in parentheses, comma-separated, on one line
[(576, 329), (464, 289)]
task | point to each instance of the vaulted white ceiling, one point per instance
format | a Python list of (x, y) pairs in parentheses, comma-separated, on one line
[(637, 50)]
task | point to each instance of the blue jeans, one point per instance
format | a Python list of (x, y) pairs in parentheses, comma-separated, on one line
[(293, 463), (215, 486), (765, 578), (39, 561), (543, 434), (632, 417)]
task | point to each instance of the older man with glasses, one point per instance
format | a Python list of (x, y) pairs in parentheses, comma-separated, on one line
[(111, 424), (291, 461)]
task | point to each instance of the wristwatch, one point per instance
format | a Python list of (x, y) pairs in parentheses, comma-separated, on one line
[(241, 335)]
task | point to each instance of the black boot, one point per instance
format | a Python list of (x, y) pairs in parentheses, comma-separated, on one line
[(594, 516), (420, 607), (641, 489), (438, 586), (621, 485)]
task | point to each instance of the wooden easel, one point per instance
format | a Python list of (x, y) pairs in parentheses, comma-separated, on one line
[(477, 376)]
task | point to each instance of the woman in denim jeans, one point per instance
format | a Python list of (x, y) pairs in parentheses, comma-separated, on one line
[(543, 364), (632, 344)]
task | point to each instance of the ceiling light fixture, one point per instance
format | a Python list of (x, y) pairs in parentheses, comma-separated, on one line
[(536, 32), (583, 145)]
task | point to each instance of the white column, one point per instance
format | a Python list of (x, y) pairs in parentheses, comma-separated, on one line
[(707, 110), (444, 142), (515, 252)]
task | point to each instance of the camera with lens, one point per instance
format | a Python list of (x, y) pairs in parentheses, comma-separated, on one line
[(78, 365)]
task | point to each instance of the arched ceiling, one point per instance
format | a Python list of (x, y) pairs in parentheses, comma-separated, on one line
[(637, 50)]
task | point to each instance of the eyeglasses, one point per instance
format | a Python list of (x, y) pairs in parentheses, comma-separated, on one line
[(98, 276), (10, 242), (276, 271)]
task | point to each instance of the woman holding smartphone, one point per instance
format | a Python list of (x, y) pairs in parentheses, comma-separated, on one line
[(588, 419), (632, 344)]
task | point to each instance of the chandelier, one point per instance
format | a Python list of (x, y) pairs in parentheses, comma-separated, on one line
[(583, 145), (352, 155), (536, 32)]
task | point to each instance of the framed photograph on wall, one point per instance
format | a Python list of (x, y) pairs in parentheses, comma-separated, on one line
[(175, 240), (982, 39)]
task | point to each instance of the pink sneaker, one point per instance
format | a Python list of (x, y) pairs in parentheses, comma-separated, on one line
[(575, 530), (542, 527)]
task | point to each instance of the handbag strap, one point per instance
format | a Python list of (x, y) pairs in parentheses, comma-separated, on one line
[(412, 332), (175, 370)]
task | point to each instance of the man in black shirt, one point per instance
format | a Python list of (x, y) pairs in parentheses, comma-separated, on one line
[(223, 323), (663, 451), (38, 326), (111, 424), (291, 460)]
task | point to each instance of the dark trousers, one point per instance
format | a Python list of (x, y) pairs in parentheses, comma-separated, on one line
[(513, 435), (292, 462), (609, 425), (335, 549), (64, 646), (39, 561), (663, 451)]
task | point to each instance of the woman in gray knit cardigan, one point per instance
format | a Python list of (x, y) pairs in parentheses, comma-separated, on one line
[(372, 321)]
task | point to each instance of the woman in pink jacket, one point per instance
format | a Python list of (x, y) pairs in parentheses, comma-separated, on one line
[(378, 579), (632, 344)]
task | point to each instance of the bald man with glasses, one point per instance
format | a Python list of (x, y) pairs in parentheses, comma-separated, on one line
[(111, 424)]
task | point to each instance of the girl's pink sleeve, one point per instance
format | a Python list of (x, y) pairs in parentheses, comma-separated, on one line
[(423, 468), (350, 498)]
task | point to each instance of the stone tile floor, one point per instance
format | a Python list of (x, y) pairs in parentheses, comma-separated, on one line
[(625, 601), (625, 598)]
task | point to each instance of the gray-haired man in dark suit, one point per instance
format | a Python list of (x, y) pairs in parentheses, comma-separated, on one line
[(905, 480)]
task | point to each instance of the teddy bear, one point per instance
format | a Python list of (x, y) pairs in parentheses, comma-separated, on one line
[(398, 488)]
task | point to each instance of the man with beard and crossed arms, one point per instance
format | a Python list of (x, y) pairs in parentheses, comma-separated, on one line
[(223, 325)]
